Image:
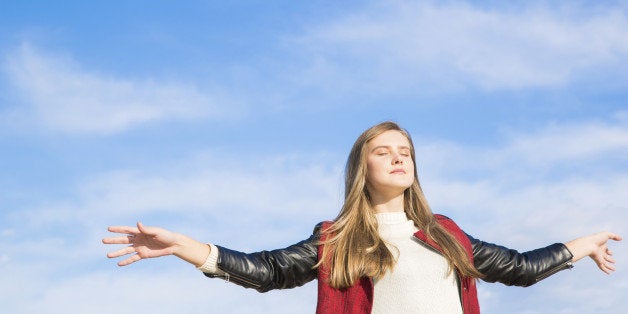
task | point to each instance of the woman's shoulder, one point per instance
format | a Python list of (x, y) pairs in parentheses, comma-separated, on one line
[(446, 222), (441, 217), (323, 225)]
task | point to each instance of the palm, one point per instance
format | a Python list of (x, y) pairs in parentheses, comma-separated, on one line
[(600, 253), (153, 245), (145, 242), (596, 247)]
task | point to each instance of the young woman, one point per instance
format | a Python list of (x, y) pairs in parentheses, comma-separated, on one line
[(386, 252)]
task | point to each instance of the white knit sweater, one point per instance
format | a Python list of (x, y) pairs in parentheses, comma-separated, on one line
[(419, 282)]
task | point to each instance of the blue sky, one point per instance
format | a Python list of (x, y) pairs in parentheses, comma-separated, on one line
[(231, 123)]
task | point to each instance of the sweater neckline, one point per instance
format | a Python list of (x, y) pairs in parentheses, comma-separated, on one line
[(392, 218)]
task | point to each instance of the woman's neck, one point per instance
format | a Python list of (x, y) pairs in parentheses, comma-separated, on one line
[(389, 204)]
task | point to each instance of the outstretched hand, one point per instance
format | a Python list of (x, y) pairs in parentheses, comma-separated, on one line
[(144, 242), (595, 246)]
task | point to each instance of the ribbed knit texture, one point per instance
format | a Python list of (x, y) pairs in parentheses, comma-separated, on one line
[(419, 282), (211, 263)]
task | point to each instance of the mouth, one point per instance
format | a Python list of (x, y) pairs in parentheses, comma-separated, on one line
[(398, 171)]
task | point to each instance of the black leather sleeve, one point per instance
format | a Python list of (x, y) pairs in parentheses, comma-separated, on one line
[(500, 264), (285, 268)]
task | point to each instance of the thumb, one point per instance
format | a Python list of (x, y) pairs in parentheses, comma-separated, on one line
[(142, 228), (610, 236)]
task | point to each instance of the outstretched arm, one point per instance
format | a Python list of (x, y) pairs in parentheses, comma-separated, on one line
[(265, 270), (514, 268), (149, 242), (510, 267), (595, 246)]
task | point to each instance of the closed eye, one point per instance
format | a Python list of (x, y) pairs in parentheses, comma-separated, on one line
[(381, 152)]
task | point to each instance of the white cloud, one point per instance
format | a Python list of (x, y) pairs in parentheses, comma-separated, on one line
[(572, 143), (428, 46), (164, 289), (578, 290), (65, 97), (279, 197), (537, 152), (558, 182), (271, 185)]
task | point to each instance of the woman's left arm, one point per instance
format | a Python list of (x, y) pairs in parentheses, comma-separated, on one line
[(595, 247), (510, 267)]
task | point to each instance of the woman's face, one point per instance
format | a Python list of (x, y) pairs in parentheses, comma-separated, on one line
[(390, 169)]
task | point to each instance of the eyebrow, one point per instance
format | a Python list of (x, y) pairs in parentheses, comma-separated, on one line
[(388, 147)]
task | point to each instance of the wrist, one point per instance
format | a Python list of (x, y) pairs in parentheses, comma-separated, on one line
[(579, 248), (190, 250), (179, 244)]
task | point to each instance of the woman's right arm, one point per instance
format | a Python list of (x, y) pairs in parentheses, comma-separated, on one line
[(284, 268)]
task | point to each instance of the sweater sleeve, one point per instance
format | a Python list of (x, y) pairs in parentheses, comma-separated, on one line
[(211, 263)]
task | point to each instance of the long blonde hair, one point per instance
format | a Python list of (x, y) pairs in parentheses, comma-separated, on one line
[(352, 247)]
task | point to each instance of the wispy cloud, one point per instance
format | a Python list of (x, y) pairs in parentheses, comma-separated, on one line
[(546, 150), (64, 96), (142, 290), (303, 190), (565, 179), (563, 143), (427, 46)]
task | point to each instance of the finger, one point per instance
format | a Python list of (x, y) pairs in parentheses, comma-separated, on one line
[(120, 252), (613, 236), (603, 268), (610, 267), (609, 259), (123, 229), (141, 227), (117, 240), (145, 229), (130, 260)]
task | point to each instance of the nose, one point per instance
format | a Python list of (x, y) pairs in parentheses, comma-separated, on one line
[(397, 160)]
